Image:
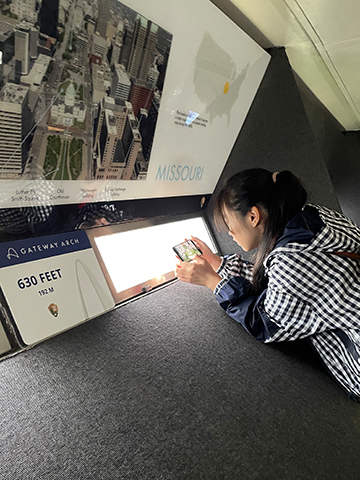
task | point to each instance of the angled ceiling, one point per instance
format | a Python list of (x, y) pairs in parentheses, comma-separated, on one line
[(322, 41)]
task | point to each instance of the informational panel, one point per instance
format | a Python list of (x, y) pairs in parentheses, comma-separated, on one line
[(114, 100), (52, 283)]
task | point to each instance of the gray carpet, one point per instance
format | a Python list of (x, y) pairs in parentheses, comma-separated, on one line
[(169, 387)]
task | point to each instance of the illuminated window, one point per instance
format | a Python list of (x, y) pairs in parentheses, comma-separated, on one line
[(138, 256)]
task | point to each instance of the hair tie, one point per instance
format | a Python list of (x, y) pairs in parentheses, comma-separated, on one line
[(274, 175)]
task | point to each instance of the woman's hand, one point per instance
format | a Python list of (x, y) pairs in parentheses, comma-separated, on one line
[(198, 272), (210, 257)]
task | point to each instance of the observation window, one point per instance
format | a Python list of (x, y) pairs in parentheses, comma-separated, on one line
[(136, 257)]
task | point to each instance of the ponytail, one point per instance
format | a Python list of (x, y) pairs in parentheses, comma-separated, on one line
[(280, 195)]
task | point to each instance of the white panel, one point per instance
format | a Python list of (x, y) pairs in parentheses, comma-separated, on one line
[(52, 283), (33, 307)]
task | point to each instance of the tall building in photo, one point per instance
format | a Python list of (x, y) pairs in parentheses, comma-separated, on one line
[(33, 43), (110, 159), (98, 49), (108, 139), (103, 17), (142, 48), (120, 87), (101, 79), (117, 141), (14, 125), (140, 96), (116, 49), (138, 43), (148, 52), (48, 17), (82, 47), (132, 146), (22, 47), (147, 126), (109, 152), (126, 46), (120, 111)]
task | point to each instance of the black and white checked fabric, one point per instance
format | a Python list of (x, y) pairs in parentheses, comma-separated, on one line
[(22, 220), (233, 266), (313, 293)]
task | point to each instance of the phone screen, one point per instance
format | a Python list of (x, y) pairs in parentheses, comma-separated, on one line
[(187, 250)]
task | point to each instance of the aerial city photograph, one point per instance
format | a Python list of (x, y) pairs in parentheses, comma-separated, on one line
[(80, 89)]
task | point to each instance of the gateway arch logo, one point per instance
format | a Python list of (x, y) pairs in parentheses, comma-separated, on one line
[(53, 309), (12, 253)]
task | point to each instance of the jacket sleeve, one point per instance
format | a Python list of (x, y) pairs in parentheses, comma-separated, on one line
[(270, 316), (235, 297), (234, 265)]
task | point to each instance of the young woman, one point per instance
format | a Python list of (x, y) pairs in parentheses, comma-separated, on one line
[(305, 278)]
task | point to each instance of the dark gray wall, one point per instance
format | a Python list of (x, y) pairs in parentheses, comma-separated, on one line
[(345, 173), (277, 135)]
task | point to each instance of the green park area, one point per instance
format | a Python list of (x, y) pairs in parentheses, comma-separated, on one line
[(62, 173), (63, 158), (52, 154), (80, 92), (75, 155)]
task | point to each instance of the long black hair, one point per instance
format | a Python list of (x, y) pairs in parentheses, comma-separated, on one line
[(281, 196)]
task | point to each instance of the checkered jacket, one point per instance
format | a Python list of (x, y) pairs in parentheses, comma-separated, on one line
[(310, 292), (23, 220)]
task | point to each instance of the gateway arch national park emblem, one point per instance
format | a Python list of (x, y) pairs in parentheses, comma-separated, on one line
[(53, 309)]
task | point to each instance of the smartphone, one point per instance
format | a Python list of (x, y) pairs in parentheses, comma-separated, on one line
[(187, 250)]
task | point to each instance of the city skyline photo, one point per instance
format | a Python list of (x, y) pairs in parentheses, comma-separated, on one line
[(81, 86)]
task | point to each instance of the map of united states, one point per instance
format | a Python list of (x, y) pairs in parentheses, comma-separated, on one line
[(216, 80)]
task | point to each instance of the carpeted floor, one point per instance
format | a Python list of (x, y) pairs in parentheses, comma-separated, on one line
[(168, 387)]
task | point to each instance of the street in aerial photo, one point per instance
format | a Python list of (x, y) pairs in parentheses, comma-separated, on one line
[(80, 89)]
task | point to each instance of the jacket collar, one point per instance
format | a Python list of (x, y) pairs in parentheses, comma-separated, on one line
[(302, 228)]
